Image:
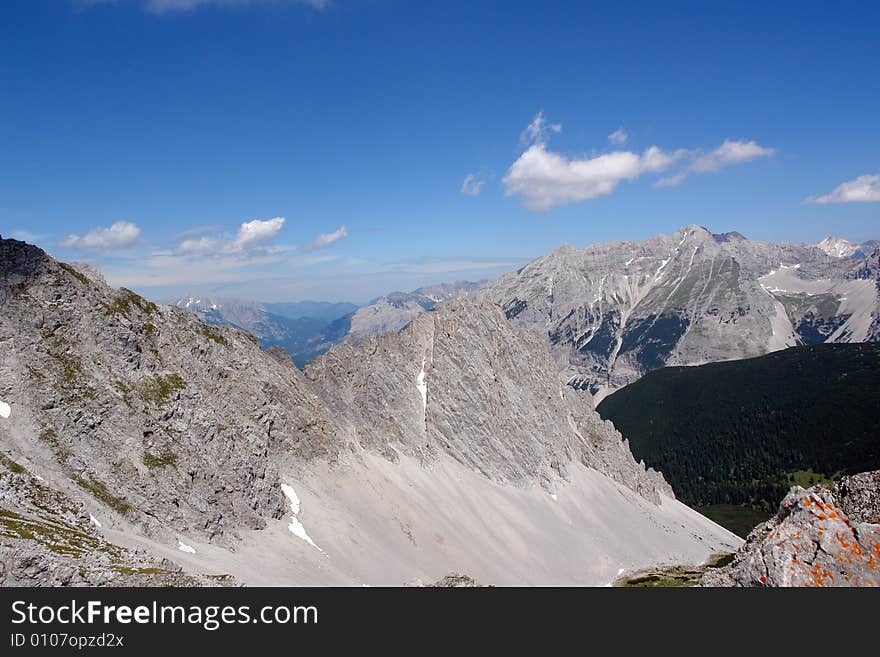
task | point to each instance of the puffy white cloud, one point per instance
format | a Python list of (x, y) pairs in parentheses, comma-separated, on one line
[(326, 239), (545, 179), (864, 188), (618, 137), (121, 235), (472, 185), (253, 234), (251, 239)]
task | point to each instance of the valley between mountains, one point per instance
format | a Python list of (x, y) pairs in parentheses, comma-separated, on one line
[(450, 433)]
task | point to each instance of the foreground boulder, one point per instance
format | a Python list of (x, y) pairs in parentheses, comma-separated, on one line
[(819, 537)]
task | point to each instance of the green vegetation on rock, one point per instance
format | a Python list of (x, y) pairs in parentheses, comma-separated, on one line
[(99, 490), (158, 389), (126, 301), (215, 335)]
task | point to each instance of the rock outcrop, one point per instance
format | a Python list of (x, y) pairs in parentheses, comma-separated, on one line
[(462, 381), (819, 537), (168, 422)]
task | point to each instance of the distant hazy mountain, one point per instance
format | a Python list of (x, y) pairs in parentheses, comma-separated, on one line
[(616, 311), (388, 313), (325, 310), (272, 329), (841, 248), (306, 329), (394, 311)]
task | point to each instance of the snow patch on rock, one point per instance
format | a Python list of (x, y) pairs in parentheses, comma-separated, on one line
[(295, 526)]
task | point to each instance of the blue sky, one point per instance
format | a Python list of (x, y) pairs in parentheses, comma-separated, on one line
[(282, 150)]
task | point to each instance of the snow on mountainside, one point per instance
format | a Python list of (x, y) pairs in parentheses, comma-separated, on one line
[(841, 248), (616, 311), (837, 247)]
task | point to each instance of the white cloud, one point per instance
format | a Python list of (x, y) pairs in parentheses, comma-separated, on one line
[(250, 240), (538, 131), (545, 179), (729, 153), (864, 188), (199, 246), (121, 235), (618, 137), (326, 239), (253, 234), (472, 185)]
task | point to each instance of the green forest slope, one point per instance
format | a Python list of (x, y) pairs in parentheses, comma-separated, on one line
[(742, 432)]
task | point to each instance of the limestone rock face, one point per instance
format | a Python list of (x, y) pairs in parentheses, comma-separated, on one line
[(615, 311), (163, 420), (461, 380), (54, 541), (819, 537)]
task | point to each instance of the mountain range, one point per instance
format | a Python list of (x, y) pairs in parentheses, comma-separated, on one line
[(305, 329), (616, 311), (143, 445)]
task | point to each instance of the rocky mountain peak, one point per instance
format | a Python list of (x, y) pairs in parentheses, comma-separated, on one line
[(617, 310), (837, 247)]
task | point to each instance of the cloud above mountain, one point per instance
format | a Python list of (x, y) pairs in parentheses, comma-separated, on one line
[(120, 235), (545, 179), (252, 238), (864, 188), (325, 239), (729, 153)]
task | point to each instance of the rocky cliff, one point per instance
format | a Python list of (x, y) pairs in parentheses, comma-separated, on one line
[(168, 422), (462, 381)]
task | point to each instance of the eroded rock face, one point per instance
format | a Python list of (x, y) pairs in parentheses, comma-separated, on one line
[(48, 539), (164, 421), (461, 380), (618, 310), (813, 541)]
